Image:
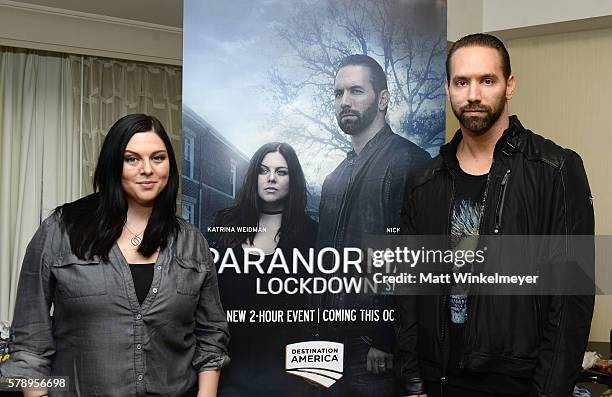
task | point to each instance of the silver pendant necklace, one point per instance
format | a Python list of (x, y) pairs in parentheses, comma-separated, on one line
[(136, 239)]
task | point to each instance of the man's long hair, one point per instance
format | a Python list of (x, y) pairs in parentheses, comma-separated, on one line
[(248, 206), (94, 223)]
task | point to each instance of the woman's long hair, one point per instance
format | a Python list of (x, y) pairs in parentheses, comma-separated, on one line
[(95, 222), (248, 206)]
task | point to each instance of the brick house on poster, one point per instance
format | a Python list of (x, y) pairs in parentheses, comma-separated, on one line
[(212, 170)]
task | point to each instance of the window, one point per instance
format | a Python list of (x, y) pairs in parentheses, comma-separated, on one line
[(188, 211), (233, 177), (188, 155)]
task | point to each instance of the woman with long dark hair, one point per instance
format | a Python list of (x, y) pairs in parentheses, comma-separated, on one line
[(136, 308), (269, 217), (273, 197)]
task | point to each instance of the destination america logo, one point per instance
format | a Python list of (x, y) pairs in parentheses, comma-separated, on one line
[(317, 361)]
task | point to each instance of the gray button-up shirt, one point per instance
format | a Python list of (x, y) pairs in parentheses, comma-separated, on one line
[(99, 335)]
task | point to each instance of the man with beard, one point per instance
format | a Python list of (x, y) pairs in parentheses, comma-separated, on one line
[(497, 178), (363, 195)]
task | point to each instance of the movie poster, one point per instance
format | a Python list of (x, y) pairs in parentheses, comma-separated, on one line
[(301, 122)]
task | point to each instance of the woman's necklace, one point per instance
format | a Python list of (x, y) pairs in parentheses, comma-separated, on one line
[(135, 240)]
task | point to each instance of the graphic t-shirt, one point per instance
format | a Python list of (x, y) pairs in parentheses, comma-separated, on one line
[(464, 225), (465, 219)]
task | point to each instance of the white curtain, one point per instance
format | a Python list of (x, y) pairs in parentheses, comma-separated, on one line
[(39, 164), (114, 88), (55, 110)]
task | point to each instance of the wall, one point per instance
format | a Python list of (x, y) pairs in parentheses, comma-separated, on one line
[(160, 12), (463, 17), (503, 14), (40, 27), (524, 17)]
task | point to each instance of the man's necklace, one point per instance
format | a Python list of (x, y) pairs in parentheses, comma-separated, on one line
[(135, 240)]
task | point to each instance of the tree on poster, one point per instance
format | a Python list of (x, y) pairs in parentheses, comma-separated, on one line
[(301, 84)]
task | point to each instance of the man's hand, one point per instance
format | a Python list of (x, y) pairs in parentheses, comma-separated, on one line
[(378, 361), (208, 382)]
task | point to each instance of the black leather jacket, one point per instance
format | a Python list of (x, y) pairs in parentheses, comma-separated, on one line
[(545, 193), (364, 195)]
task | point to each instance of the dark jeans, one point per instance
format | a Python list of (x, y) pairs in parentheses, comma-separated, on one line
[(356, 380)]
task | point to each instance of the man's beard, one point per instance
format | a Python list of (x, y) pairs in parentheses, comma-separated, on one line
[(356, 125), (480, 124)]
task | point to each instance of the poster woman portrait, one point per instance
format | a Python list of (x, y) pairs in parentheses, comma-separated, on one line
[(272, 202), (136, 308)]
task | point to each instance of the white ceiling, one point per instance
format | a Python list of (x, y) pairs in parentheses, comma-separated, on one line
[(161, 12)]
